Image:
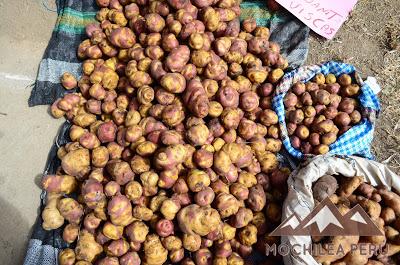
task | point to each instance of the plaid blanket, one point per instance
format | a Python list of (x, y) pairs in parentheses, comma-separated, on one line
[(357, 140), (60, 56)]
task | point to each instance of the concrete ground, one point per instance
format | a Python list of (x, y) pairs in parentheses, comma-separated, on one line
[(26, 134)]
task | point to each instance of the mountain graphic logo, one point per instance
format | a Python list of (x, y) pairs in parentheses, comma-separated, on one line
[(327, 220)]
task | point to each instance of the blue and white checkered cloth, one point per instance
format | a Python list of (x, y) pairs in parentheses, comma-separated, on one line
[(357, 140)]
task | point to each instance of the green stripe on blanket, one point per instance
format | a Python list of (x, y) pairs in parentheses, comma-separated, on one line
[(74, 22), (257, 10)]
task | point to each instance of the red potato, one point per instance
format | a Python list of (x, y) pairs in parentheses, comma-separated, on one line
[(257, 198), (306, 99), (324, 126), (330, 112), (70, 233), (228, 97), (299, 88), (342, 119), (106, 132), (241, 218), (306, 148), (320, 108), (249, 101), (279, 178), (295, 142), (291, 128), (347, 105), (333, 88), (130, 258), (164, 227), (204, 197), (314, 139), (296, 116), (68, 81), (290, 100), (71, 210), (178, 58)]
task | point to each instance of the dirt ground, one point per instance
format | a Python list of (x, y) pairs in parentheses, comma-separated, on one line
[(370, 40)]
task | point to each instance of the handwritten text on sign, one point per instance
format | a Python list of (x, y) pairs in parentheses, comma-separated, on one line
[(323, 16)]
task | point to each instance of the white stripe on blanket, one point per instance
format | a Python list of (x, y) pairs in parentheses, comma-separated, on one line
[(41, 254), (51, 70)]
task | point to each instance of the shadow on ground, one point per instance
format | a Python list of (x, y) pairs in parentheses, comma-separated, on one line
[(13, 234)]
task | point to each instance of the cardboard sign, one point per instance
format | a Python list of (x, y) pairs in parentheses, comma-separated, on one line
[(323, 16)]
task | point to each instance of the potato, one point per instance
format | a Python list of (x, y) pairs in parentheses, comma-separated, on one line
[(302, 132), (320, 108), (344, 80), (191, 242), (68, 81), (355, 117), (334, 89), (319, 79), (154, 252), (328, 138), (306, 99), (321, 149), (330, 112), (342, 119), (325, 126), (70, 233), (67, 257), (296, 116), (295, 142), (257, 198), (290, 100), (87, 248), (164, 227), (268, 117), (311, 86), (248, 235), (169, 208), (249, 25), (299, 88), (59, 183), (347, 105), (350, 90), (242, 218), (330, 79), (314, 139), (240, 191), (204, 197), (71, 210), (191, 219), (273, 145), (226, 204), (309, 112), (388, 215)]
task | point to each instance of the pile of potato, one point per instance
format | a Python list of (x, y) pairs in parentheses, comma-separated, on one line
[(381, 205), (173, 140), (319, 111)]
